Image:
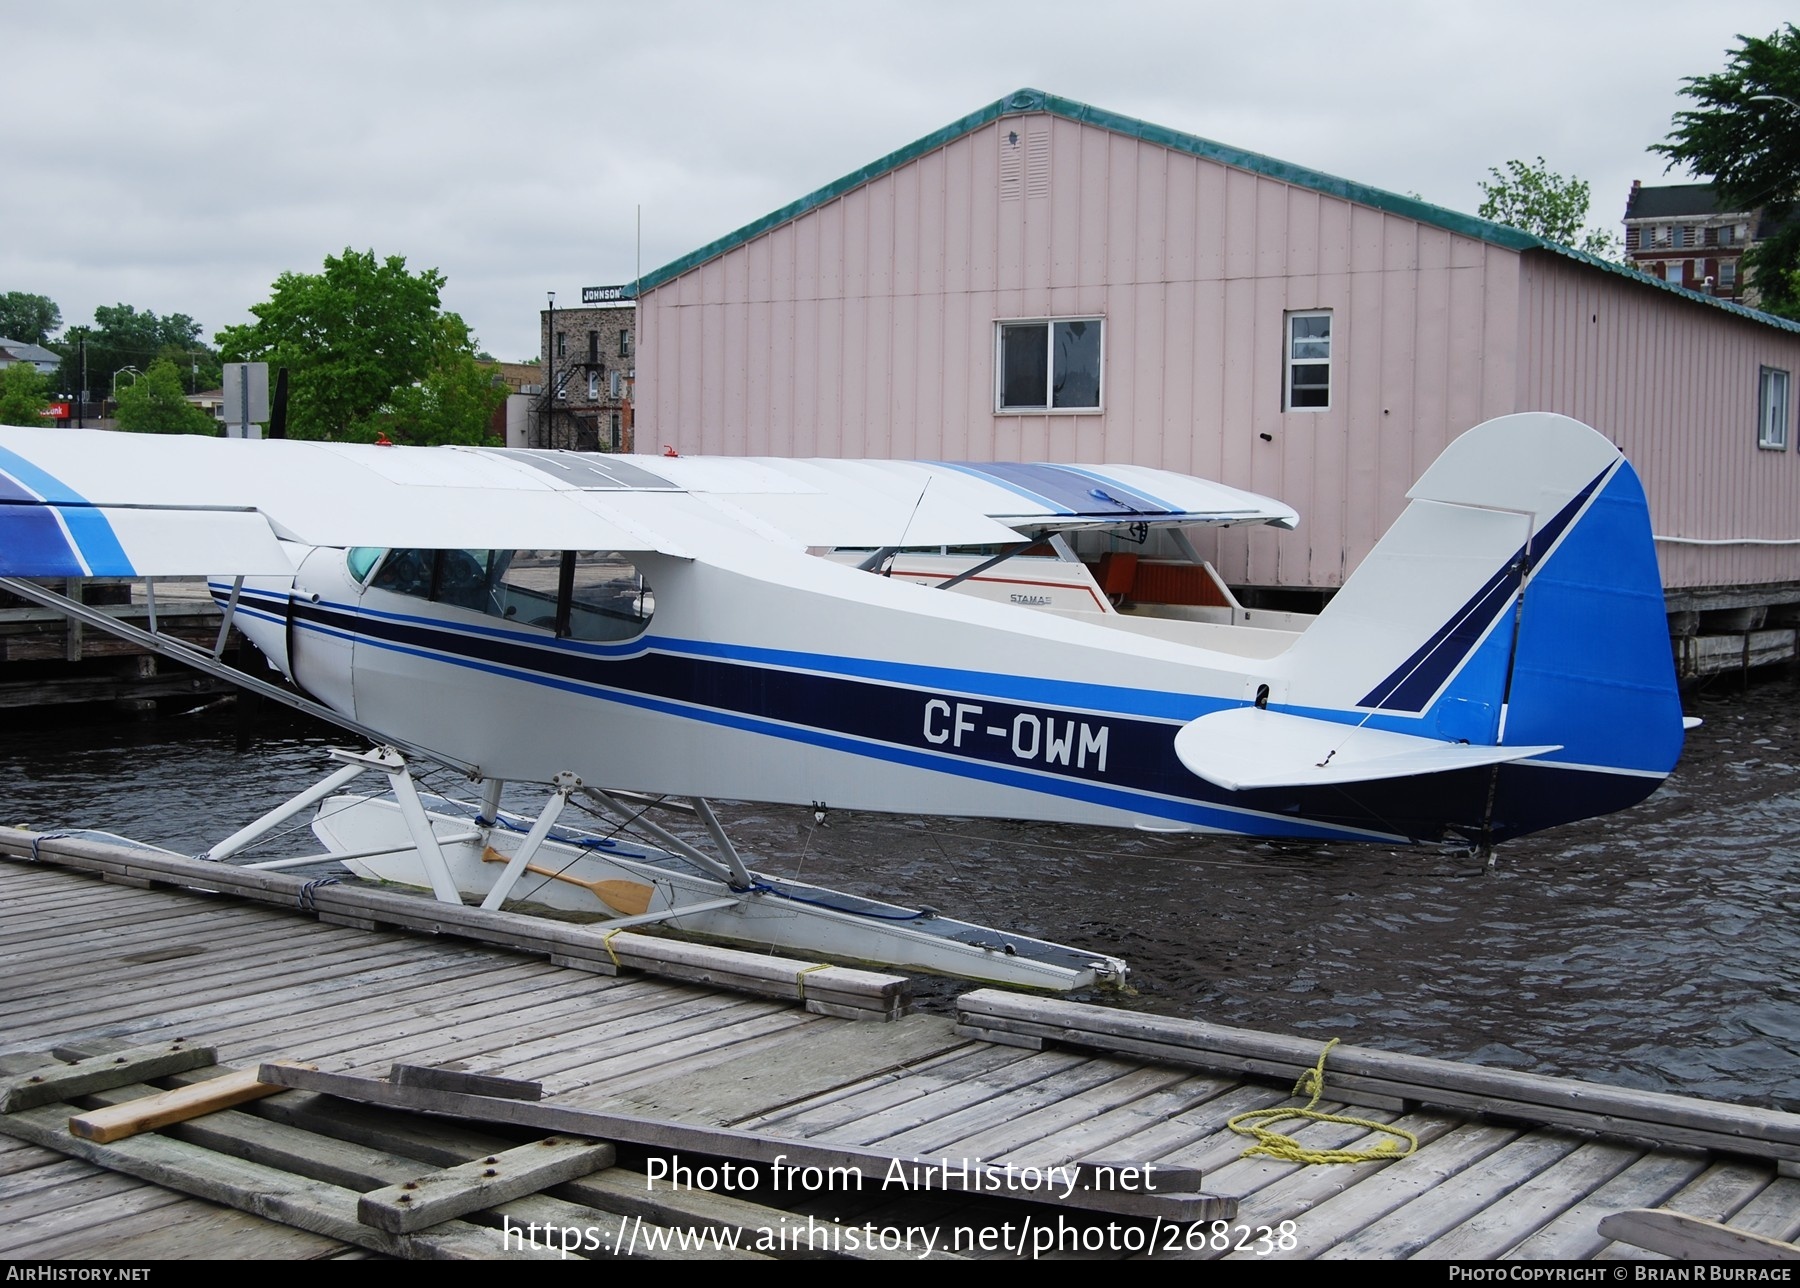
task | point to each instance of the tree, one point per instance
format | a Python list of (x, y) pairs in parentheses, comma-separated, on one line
[(1744, 133), (1533, 198), (22, 400), (155, 403), (368, 351), (122, 337), (31, 318)]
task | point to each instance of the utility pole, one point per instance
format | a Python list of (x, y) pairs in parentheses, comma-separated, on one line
[(550, 384)]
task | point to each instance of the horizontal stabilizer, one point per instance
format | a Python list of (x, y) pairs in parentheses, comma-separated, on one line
[(1243, 748)]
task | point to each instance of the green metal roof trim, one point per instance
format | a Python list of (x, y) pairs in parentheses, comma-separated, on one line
[(1028, 101)]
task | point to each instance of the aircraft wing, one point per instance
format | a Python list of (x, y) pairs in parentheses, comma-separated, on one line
[(100, 503), (1047, 497), (1242, 748)]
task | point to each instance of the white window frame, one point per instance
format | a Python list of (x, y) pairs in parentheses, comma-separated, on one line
[(1290, 362), (1045, 408), (1772, 409)]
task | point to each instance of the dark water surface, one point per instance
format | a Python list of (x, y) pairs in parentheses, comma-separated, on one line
[(1656, 948)]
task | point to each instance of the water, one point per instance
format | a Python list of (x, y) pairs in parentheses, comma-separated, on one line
[(1654, 949)]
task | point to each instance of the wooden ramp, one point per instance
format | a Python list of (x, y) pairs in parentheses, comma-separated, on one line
[(96, 967)]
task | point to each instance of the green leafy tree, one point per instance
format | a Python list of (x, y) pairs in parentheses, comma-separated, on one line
[(1530, 196), (121, 337), (369, 351), (22, 399), (1744, 133), (31, 318), (155, 403)]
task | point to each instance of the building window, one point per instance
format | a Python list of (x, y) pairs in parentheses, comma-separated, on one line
[(625, 343), (614, 426), (1052, 365), (617, 386), (1308, 385), (1728, 273), (1772, 410), (593, 386), (562, 344)]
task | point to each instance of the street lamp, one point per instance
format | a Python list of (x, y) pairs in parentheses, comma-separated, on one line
[(122, 371), (1775, 98), (550, 383)]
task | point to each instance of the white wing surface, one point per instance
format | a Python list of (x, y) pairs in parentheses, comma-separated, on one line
[(101, 503)]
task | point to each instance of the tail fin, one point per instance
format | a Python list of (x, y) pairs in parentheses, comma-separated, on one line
[(1515, 603)]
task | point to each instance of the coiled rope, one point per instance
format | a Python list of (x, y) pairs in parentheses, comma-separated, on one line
[(1274, 1144)]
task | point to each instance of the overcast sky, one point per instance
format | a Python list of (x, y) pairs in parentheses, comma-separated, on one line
[(179, 156)]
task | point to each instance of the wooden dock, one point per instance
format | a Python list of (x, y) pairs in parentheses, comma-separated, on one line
[(48, 660), (101, 964)]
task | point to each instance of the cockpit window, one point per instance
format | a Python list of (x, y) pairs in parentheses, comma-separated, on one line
[(361, 559), (577, 594)]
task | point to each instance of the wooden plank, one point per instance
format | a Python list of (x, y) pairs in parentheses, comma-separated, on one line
[(820, 1113), (1386, 1187), (743, 1146), (484, 1183), (310, 1205), (568, 1225), (1516, 1217), (703, 963), (440, 1078), (1715, 1195), (1043, 1134), (179, 1105), (799, 1067), (1774, 1213), (1564, 1102), (1574, 1234), (58, 1081), (1692, 1238), (381, 1147), (182, 1229), (941, 1103), (626, 1194), (1431, 1215)]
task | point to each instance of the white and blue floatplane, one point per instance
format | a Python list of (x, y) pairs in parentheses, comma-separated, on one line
[(620, 628)]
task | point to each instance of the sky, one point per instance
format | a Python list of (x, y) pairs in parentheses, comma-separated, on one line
[(179, 157)]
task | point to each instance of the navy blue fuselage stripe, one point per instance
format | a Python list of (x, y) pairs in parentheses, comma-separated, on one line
[(1024, 745), (1412, 685)]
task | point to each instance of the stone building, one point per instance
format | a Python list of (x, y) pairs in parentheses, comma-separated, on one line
[(588, 364)]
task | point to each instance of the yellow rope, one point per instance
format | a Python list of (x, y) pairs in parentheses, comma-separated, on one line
[(800, 976), (1274, 1144), (606, 942)]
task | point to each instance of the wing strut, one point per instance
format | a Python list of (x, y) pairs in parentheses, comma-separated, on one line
[(180, 651)]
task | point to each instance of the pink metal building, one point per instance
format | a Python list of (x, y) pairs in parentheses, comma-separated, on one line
[(1047, 280)]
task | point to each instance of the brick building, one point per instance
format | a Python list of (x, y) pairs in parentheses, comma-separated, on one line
[(1678, 234)]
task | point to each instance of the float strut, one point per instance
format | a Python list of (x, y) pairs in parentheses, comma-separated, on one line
[(563, 784)]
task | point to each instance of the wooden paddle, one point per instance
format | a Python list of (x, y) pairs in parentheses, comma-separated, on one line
[(627, 898)]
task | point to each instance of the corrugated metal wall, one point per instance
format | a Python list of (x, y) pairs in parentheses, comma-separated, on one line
[(1675, 384), (866, 327)]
